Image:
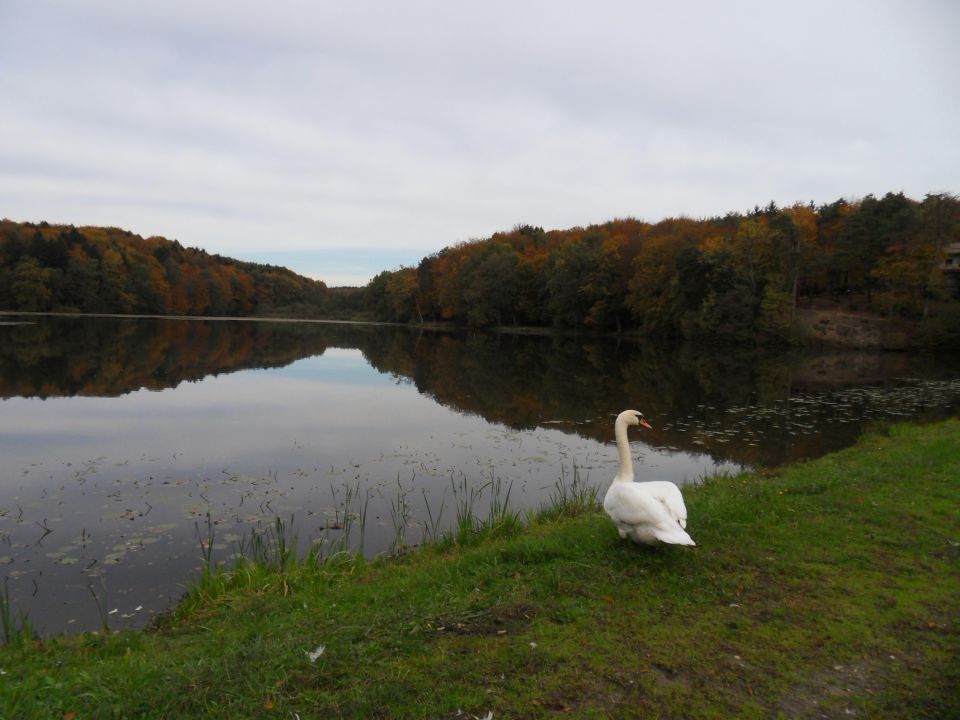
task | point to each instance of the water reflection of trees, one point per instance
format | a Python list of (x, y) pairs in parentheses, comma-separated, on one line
[(102, 357), (742, 406)]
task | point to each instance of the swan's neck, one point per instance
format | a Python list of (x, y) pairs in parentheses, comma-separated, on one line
[(623, 449)]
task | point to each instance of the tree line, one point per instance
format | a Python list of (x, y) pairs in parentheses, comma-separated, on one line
[(47, 267), (736, 276)]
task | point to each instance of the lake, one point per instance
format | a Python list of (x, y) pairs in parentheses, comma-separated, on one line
[(127, 444)]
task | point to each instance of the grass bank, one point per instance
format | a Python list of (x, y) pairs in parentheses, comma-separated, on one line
[(829, 589)]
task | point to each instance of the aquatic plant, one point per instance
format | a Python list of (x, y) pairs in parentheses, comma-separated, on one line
[(16, 628), (432, 525), (570, 498), (272, 546), (101, 602), (400, 516)]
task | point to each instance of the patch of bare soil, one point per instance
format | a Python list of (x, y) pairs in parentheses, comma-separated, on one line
[(832, 693), (498, 620), (833, 327), (847, 329)]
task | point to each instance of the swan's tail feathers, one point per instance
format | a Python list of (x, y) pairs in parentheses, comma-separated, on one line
[(674, 536)]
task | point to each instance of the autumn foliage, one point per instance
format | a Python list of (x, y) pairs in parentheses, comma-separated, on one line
[(737, 277), (105, 270), (733, 277)]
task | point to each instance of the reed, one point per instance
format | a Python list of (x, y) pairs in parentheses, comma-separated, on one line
[(432, 529), (362, 515), (465, 497), (345, 518), (206, 543), (400, 515), (468, 524), (272, 547), (270, 552), (570, 498), (16, 628), (101, 602), (500, 516)]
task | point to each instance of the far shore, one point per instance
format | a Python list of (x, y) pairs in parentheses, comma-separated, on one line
[(820, 327)]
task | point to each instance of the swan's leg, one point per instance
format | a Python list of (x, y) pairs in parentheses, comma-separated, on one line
[(623, 534)]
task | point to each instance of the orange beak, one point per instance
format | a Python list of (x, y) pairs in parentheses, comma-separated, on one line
[(646, 424)]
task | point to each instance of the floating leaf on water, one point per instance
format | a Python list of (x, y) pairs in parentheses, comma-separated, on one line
[(161, 528)]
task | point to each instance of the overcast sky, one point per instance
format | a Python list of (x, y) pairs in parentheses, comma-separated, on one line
[(344, 138)]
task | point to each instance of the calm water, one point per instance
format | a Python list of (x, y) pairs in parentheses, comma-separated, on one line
[(123, 442)]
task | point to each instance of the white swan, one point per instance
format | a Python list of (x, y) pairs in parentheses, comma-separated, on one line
[(646, 512)]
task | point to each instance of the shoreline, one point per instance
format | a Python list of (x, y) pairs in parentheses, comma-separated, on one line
[(819, 588), (834, 329)]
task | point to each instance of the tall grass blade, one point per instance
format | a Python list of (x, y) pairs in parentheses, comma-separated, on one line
[(101, 603), (15, 629)]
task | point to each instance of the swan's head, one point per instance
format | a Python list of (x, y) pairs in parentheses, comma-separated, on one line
[(633, 417)]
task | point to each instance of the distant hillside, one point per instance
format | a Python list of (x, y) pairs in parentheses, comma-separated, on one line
[(91, 269)]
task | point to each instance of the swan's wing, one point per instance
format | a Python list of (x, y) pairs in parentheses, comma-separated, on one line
[(627, 504), (669, 494)]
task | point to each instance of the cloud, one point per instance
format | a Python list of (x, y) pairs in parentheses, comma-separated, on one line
[(404, 127)]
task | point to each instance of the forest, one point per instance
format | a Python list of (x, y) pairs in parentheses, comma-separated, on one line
[(736, 277), (740, 277), (106, 270)]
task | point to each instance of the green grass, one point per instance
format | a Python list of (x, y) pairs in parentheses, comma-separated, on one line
[(826, 589)]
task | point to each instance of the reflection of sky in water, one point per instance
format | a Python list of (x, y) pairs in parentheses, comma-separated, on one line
[(341, 365), (123, 484)]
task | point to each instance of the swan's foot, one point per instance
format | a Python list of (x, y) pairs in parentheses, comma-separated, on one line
[(623, 534)]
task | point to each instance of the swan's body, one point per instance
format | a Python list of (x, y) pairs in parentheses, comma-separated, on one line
[(646, 512)]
